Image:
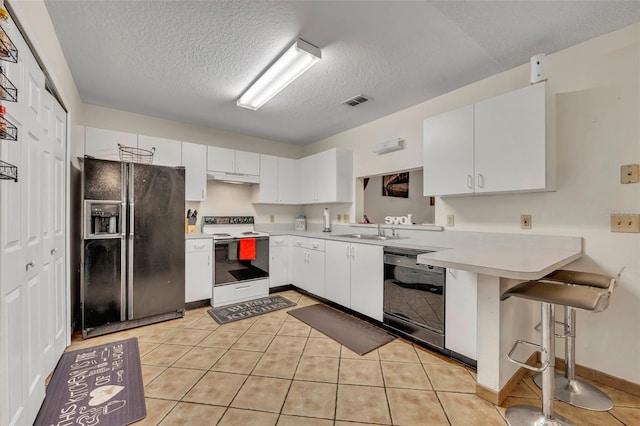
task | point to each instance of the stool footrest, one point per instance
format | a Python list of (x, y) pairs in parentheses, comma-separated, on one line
[(525, 365), (566, 334)]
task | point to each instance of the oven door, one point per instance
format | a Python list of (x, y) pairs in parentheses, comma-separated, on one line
[(234, 263)]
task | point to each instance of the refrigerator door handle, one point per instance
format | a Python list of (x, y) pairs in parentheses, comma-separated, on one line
[(131, 219), (123, 278)]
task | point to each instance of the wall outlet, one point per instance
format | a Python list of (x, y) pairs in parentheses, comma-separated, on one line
[(625, 223), (451, 220), (272, 219), (346, 218), (525, 221), (630, 173), (339, 217)]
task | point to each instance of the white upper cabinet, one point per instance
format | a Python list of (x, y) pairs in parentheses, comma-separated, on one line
[(231, 161), (194, 160), (510, 149), (168, 152), (448, 153), (326, 177), (103, 144), (277, 181), (497, 145)]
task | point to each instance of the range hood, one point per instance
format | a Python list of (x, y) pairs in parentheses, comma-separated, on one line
[(233, 177)]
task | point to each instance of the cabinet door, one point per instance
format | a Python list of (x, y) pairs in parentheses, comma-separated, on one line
[(324, 175), (306, 185), (267, 191), (298, 267), (448, 153), (103, 144), (338, 272), (315, 273), (461, 309), (198, 276), (194, 160), (168, 152), (287, 185), (510, 147), (221, 159), (367, 280), (278, 265), (247, 163)]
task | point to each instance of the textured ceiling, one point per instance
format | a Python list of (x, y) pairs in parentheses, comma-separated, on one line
[(190, 60)]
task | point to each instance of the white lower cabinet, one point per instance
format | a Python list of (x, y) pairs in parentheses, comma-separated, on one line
[(278, 261), (367, 279), (338, 272), (354, 275), (198, 270), (461, 308), (307, 257)]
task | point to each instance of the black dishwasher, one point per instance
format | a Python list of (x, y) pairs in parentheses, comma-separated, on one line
[(414, 296)]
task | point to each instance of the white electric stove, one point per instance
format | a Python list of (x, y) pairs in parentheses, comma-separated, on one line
[(241, 267)]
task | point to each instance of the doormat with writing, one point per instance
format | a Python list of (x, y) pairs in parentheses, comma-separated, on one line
[(97, 386), (252, 308)]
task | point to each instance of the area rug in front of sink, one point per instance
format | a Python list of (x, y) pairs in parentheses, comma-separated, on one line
[(251, 308), (354, 333), (100, 385)]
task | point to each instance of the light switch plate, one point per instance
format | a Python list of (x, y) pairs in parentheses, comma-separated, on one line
[(630, 173), (346, 218), (625, 223), (451, 220), (339, 217), (272, 218)]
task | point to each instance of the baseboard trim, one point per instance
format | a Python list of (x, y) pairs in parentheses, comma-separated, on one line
[(497, 398), (602, 378)]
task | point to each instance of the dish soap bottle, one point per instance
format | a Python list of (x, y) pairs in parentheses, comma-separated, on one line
[(326, 221)]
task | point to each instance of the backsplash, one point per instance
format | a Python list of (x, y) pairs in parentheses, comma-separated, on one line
[(226, 199)]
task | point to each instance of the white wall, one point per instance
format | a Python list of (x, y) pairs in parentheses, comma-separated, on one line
[(112, 119), (593, 117), (226, 199)]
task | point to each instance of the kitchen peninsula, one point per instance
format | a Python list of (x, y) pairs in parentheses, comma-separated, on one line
[(498, 260)]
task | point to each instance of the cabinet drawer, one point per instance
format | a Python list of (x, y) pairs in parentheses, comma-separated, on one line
[(247, 290), (278, 241), (203, 244), (308, 243)]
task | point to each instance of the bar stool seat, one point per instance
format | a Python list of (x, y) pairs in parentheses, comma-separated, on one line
[(567, 388), (549, 294)]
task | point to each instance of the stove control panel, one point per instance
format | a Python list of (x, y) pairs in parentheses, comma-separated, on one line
[(227, 220)]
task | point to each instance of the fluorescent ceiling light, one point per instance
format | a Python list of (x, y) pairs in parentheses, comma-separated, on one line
[(295, 61)]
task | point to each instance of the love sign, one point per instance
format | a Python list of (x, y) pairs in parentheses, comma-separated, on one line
[(398, 220)]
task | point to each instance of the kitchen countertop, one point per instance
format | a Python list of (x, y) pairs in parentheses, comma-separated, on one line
[(516, 256)]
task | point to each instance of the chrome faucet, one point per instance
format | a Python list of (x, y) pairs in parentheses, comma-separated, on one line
[(393, 232), (380, 230)]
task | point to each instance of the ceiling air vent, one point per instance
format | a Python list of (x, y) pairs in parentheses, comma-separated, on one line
[(356, 100)]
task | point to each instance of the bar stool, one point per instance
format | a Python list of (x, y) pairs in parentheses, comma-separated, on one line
[(567, 388), (549, 294)]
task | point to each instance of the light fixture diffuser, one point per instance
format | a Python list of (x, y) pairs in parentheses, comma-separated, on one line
[(292, 64)]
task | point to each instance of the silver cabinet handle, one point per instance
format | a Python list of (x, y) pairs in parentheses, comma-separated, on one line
[(353, 253), (208, 260), (53, 250), (469, 182), (347, 251), (244, 287), (29, 265), (202, 194), (198, 246)]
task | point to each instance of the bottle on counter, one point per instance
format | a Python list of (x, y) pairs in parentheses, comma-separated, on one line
[(326, 221)]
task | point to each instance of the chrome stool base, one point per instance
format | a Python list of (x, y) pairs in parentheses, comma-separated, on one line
[(578, 393), (525, 415)]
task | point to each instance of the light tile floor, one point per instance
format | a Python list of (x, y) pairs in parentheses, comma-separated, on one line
[(275, 370)]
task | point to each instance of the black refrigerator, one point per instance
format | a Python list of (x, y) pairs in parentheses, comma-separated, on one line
[(132, 245)]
